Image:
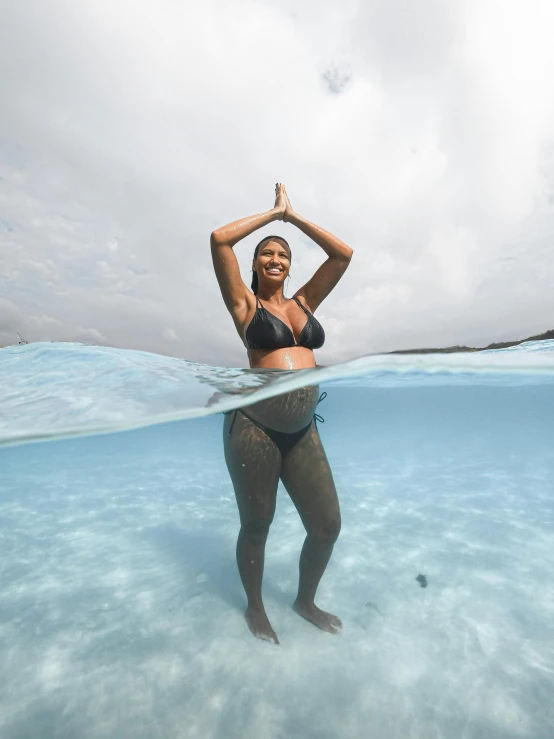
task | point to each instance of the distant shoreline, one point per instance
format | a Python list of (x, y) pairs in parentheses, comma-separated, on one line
[(454, 349)]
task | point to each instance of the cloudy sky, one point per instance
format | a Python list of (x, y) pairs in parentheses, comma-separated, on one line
[(419, 131)]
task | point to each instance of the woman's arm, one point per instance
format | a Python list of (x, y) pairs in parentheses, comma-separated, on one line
[(222, 240), (326, 277)]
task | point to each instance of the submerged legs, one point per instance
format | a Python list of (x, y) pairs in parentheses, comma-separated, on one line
[(255, 465)]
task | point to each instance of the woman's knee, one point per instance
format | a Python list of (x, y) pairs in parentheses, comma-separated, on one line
[(256, 529), (328, 529)]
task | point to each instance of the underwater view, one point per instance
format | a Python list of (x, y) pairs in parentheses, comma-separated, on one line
[(277, 369), (121, 606)]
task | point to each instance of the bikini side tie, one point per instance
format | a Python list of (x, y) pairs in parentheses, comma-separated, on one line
[(317, 417)]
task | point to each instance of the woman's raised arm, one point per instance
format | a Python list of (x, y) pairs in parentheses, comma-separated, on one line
[(222, 240), (326, 277)]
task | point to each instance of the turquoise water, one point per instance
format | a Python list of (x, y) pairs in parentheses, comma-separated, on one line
[(121, 608)]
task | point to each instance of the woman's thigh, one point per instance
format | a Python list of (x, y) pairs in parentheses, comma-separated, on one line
[(254, 464), (308, 479)]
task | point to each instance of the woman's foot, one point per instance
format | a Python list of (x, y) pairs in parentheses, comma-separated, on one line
[(324, 620), (259, 625)]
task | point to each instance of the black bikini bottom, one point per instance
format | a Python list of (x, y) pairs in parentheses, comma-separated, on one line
[(283, 440)]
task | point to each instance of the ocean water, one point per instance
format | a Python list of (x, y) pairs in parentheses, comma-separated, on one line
[(121, 607)]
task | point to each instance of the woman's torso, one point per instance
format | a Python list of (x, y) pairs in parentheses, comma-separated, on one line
[(268, 325), (293, 410)]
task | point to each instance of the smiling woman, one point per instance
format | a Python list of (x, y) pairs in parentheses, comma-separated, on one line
[(266, 331), (278, 438)]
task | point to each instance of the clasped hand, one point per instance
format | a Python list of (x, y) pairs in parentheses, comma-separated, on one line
[(282, 203)]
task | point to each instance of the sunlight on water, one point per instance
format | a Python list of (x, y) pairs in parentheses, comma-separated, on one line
[(121, 611)]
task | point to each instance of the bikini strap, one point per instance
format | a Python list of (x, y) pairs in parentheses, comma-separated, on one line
[(226, 413), (306, 311)]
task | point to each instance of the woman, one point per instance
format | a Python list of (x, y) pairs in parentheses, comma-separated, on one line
[(278, 438)]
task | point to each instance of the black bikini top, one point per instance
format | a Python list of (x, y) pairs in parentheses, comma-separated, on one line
[(266, 331)]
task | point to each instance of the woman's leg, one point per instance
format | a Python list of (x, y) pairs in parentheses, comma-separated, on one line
[(306, 475), (254, 464)]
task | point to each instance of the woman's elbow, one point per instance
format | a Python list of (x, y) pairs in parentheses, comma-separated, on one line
[(348, 252), (215, 238)]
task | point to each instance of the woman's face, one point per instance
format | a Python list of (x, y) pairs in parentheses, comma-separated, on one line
[(273, 261)]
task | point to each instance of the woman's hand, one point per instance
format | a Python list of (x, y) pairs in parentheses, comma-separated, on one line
[(280, 201), (289, 213)]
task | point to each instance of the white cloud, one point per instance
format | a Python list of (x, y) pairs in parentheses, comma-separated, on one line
[(169, 335), (419, 133)]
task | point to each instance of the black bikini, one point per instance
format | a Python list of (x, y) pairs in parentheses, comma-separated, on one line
[(284, 441), (266, 331)]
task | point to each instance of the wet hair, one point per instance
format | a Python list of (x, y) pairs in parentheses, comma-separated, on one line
[(256, 250)]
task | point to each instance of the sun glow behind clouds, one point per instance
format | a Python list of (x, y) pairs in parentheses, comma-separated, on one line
[(421, 134)]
